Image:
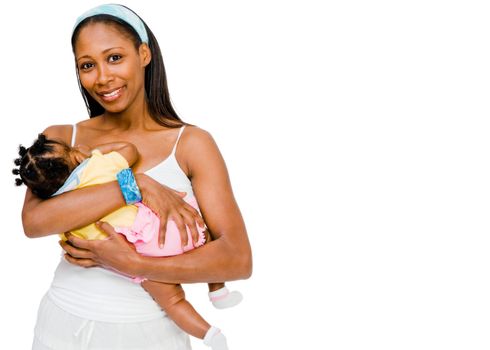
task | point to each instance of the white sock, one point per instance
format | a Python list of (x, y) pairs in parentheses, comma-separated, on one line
[(223, 298), (215, 339)]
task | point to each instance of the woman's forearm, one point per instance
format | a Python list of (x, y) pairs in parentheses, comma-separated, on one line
[(216, 261), (69, 210)]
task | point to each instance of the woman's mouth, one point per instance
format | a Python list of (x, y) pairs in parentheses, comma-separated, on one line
[(110, 96)]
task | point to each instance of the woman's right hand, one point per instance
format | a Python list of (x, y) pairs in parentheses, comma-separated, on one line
[(167, 204)]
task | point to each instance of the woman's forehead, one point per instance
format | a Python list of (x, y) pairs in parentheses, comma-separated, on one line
[(95, 38)]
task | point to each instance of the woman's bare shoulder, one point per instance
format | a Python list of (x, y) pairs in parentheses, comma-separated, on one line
[(60, 132), (64, 132), (198, 147), (195, 134), (197, 142)]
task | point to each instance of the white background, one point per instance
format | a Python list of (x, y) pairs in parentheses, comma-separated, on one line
[(356, 136)]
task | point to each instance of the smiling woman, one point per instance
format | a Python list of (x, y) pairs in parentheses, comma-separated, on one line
[(138, 33), (106, 73), (122, 80)]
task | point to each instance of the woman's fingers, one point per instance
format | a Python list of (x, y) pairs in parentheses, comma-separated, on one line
[(169, 204), (196, 215), (106, 227), (78, 242), (75, 252), (80, 262), (191, 224), (194, 234), (179, 222), (163, 230)]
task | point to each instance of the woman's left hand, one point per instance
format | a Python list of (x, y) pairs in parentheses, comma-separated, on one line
[(114, 252)]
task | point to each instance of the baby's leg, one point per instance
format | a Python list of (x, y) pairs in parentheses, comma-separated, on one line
[(213, 287), (171, 298)]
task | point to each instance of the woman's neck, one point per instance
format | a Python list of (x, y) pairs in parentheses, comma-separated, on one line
[(136, 117)]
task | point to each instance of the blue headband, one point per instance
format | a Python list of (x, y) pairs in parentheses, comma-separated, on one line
[(120, 12)]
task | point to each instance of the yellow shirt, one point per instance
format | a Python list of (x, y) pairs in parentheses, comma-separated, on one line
[(102, 168)]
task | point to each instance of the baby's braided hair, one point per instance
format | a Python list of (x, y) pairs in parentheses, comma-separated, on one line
[(41, 167)]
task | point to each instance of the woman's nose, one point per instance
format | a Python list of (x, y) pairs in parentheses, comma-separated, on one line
[(104, 75)]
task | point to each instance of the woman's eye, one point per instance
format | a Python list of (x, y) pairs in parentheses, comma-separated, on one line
[(86, 66), (113, 58)]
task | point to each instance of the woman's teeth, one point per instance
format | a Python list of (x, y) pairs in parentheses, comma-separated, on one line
[(111, 96), (112, 93)]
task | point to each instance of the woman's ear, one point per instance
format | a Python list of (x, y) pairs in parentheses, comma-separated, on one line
[(145, 54)]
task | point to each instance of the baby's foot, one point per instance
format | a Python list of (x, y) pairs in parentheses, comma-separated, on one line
[(223, 298), (215, 339)]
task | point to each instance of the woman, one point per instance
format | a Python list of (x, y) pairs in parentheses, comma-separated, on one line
[(122, 79)]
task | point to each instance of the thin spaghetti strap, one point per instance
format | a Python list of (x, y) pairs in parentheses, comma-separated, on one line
[(178, 138), (73, 135)]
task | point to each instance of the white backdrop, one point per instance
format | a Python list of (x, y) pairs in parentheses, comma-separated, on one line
[(356, 136)]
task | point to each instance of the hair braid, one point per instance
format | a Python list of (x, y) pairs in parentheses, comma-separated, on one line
[(41, 168)]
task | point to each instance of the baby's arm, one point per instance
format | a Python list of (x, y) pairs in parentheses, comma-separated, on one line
[(126, 149)]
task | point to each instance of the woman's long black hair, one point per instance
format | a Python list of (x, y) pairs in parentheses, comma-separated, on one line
[(156, 89)]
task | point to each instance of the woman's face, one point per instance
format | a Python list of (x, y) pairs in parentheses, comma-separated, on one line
[(110, 68)]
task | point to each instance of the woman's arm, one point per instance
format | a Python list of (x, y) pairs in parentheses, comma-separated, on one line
[(226, 258), (79, 208), (63, 213), (69, 210)]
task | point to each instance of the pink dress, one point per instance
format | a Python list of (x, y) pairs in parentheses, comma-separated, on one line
[(145, 232)]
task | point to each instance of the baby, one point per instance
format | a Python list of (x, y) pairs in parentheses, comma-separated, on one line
[(50, 167)]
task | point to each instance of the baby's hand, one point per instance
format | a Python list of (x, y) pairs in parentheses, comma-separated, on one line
[(84, 149), (81, 152)]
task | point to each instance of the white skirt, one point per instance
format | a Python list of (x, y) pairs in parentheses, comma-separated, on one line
[(57, 329)]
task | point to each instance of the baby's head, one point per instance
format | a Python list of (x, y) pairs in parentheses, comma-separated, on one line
[(45, 166)]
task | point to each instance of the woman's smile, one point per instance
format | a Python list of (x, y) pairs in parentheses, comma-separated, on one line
[(111, 95)]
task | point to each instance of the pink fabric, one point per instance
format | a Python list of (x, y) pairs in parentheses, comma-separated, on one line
[(219, 297), (145, 231)]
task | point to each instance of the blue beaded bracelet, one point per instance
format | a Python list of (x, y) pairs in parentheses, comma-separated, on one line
[(128, 185)]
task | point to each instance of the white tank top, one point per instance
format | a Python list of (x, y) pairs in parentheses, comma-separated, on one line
[(99, 294)]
